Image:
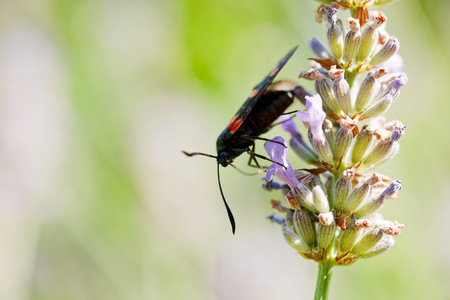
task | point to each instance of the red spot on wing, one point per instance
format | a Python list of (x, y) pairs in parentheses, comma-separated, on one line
[(231, 122), (234, 125)]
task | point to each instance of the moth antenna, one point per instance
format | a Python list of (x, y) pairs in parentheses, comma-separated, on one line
[(198, 153), (230, 214)]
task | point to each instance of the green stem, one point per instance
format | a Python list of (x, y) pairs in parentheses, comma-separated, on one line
[(323, 281)]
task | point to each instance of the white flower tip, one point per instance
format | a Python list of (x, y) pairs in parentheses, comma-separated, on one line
[(326, 218)]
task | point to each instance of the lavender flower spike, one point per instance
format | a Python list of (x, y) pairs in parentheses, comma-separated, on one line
[(278, 153), (333, 216), (314, 117)]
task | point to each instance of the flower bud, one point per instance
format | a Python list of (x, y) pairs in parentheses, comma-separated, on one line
[(344, 138), (395, 85), (329, 11), (397, 133), (369, 89), (386, 52), (325, 234), (368, 240), (369, 38), (304, 227), (391, 126), (384, 149), (324, 88), (377, 108), (276, 219), (349, 236), (342, 188), (359, 194), (322, 148), (363, 141), (320, 199), (319, 49), (290, 219), (370, 207), (303, 151), (393, 188), (341, 89), (392, 153), (334, 33), (381, 153), (352, 40), (295, 241), (384, 244), (335, 40), (304, 197), (374, 204)]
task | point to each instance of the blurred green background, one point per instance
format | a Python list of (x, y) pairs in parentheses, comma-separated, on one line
[(97, 98)]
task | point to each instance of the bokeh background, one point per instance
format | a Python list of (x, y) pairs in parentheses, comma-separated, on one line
[(97, 100)]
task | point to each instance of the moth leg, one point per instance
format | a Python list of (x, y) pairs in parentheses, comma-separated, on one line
[(253, 158), (249, 137), (281, 122), (251, 153)]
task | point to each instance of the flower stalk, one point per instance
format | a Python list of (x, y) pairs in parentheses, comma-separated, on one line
[(323, 281)]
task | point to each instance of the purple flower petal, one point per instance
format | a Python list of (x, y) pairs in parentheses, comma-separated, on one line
[(270, 171), (393, 64), (303, 116), (288, 124), (314, 117), (278, 153), (274, 185)]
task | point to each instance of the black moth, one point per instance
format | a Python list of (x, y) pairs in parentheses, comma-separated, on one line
[(255, 117)]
